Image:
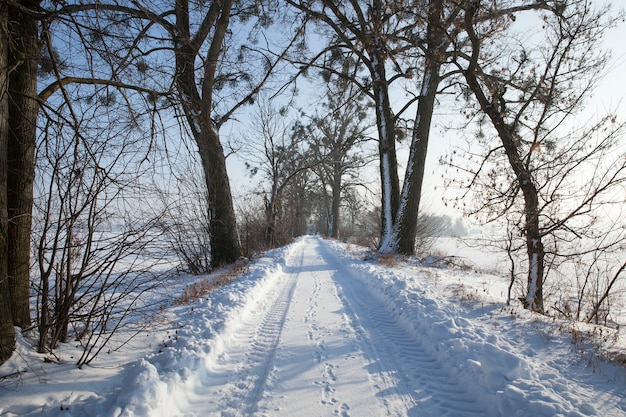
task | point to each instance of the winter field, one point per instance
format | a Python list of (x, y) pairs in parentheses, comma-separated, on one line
[(318, 328)]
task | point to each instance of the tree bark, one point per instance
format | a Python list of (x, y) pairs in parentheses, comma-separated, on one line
[(23, 108), (408, 211), (270, 220), (390, 184), (7, 334), (225, 246)]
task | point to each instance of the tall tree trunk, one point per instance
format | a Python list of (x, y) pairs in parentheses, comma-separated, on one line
[(534, 248), (7, 334), (406, 219), (23, 108), (390, 184), (301, 214)]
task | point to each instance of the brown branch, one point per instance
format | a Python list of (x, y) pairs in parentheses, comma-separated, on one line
[(52, 88), (594, 313)]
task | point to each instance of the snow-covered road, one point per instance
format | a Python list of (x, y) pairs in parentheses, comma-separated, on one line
[(300, 352), (320, 344), (326, 335), (314, 330)]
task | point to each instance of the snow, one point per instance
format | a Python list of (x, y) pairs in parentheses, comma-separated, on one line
[(389, 236), (534, 275), (318, 328), (426, 83)]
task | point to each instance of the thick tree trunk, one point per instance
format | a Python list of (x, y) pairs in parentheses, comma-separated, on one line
[(7, 334), (408, 211), (534, 245), (385, 122), (406, 220), (225, 246), (197, 105), (23, 108)]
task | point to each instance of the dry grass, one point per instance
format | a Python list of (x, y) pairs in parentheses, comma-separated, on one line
[(597, 343), (201, 288), (387, 259)]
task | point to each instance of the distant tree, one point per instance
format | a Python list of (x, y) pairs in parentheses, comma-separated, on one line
[(299, 203), (335, 135), (364, 31), (277, 154), (440, 225), (458, 228), (360, 222), (252, 223)]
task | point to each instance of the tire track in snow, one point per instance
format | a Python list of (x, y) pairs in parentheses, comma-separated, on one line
[(420, 369), (317, 336), (406, 368), (238, 393), (263, 349)]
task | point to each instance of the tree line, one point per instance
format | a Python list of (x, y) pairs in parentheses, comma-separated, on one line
[(100, 98)]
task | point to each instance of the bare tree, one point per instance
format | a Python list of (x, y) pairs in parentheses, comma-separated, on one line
[(252, 223), (600, 271), (90, 226), (34, 58), (529, 94), (276, 151), (299, 203), (198, 101), (214, 73), (398, 43), (186, 224), (335, 136), (23, 22)]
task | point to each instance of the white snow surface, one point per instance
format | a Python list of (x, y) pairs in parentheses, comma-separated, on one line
[(318, 329)]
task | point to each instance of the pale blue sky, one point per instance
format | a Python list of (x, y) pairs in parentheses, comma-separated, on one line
[(610, 95)]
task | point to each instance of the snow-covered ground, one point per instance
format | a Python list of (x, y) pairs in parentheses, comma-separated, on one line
[(316, 329)]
